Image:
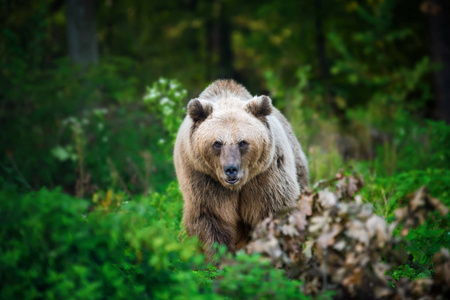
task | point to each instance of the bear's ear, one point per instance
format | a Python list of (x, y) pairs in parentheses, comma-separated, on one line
[(260, 106), (199, 110)]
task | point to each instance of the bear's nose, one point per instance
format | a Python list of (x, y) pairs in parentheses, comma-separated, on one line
[(231, 170)]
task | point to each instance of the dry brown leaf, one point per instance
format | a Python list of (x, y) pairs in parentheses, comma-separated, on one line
[(353, 279), (418, 199), (298, 219), (358, 199), (305, 203), (366, 211), (339, 275), (357, 230), (442, 263), (327, 199), (401, 213), (420, 287), (308, 248), (339, 246), (288, 229), (352, 187), (351, 260), (327, 238), (380, 269), (377, 226), (439, 206), (382, 292), (319, 223)]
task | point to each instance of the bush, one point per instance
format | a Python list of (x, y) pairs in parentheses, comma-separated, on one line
[(55, 246)]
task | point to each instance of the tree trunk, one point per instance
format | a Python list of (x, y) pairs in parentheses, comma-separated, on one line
[(320, 41), (81, 32), (439, 20), (219, 42), (324, 67)]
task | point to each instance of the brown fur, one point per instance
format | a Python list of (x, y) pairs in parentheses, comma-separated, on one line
[(227, 126)]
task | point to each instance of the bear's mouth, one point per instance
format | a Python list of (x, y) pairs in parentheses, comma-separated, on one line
[(232, 180)]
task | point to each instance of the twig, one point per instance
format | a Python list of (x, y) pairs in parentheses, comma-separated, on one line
[(385, 203), (136, 170), (147, 158), (116, 173), (324, 271), (18, 172)]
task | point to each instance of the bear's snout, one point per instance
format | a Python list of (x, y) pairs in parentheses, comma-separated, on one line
[(231, 170), (232, 173), (230, 158)]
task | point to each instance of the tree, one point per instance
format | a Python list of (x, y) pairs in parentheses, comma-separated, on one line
[(219, 41), (439, 21), (81, 32)]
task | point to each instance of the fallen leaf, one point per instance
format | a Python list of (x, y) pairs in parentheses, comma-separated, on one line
[(357, 230), (418, 199), (439, 206), (327, 238), (319, 223), (327, 199)]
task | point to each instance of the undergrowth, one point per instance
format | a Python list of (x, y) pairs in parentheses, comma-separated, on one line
[(120, 244)]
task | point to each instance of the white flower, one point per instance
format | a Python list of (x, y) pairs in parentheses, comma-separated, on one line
[(166, 102), (167, 110)]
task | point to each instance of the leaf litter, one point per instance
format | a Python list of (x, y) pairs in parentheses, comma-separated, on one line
[(336, 242)]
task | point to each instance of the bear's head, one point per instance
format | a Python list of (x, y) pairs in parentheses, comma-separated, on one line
[(231, 140)]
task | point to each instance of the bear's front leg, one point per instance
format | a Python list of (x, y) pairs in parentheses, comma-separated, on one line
[(210, 211), (211, 229)]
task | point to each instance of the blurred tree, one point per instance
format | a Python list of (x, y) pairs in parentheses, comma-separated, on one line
[(81, 32), (439, 21), (335, 55), (324, 67), (219, 41)]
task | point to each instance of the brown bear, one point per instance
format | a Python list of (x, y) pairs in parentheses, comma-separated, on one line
[(237, 161)]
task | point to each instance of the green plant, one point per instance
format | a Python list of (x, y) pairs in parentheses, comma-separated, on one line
[(54, 248), (58, 246), (251, 277), (428, 239), (406, 271), (165, 97)]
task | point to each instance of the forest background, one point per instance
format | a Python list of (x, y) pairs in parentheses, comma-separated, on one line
[(92, 94)]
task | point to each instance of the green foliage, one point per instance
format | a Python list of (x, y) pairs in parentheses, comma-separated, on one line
[(422, 244), (249, 277), (54, 249), (309, 123), (428, 239), (57, 246), (165, 98), (64, 119), (368, 70), (405, 271), (388, 193)]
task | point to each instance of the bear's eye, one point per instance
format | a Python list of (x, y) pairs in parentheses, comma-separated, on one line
[(242, 144), (217, 145)]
